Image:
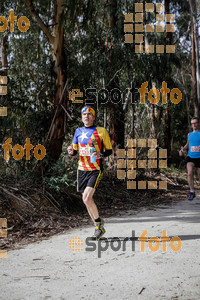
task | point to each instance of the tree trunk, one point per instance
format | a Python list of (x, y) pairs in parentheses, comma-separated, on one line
[(187, 101), (4, 58), (56, 135), (4, 69), (115, 113), (167, 130), (194, 56), (197, 51), (132, 135), (57, 132), (151, 109)]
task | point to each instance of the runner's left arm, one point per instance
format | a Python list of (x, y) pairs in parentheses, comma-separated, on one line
[(107, 153), (107, 144)]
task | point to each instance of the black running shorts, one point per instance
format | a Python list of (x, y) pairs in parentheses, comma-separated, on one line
[(196, 161), (88, 178)]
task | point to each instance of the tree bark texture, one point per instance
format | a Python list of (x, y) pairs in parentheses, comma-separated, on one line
[(56, 39)]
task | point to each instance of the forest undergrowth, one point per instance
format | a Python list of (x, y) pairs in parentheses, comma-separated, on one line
[(35, 211)]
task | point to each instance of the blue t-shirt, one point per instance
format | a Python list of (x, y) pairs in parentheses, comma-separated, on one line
[(194, 144)]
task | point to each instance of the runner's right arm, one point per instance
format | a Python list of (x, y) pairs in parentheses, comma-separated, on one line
[(74, 153), (71, 150), (186, 145), (184, 148)]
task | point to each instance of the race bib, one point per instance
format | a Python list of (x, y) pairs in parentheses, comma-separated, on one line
[(84, 151), (195, 148)]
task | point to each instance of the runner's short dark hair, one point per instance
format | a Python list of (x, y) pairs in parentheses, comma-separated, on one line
[(195, 118)]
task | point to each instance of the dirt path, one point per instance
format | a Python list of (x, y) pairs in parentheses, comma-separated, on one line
[(51, 270)]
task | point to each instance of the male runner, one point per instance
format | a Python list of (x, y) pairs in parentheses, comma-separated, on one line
[(193, 156), (89, 173)]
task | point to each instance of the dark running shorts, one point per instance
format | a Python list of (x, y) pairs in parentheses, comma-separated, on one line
[(88, 178), (196, 161)]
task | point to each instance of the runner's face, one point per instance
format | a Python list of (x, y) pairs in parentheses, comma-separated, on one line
[(88, 119), (195, 124)]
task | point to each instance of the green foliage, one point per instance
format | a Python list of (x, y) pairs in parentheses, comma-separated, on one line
[(63, 173), (94, 51)]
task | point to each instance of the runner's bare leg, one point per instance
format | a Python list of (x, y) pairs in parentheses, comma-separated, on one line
[(198, 172), (190, 167), (89, 202), (90, 213)]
